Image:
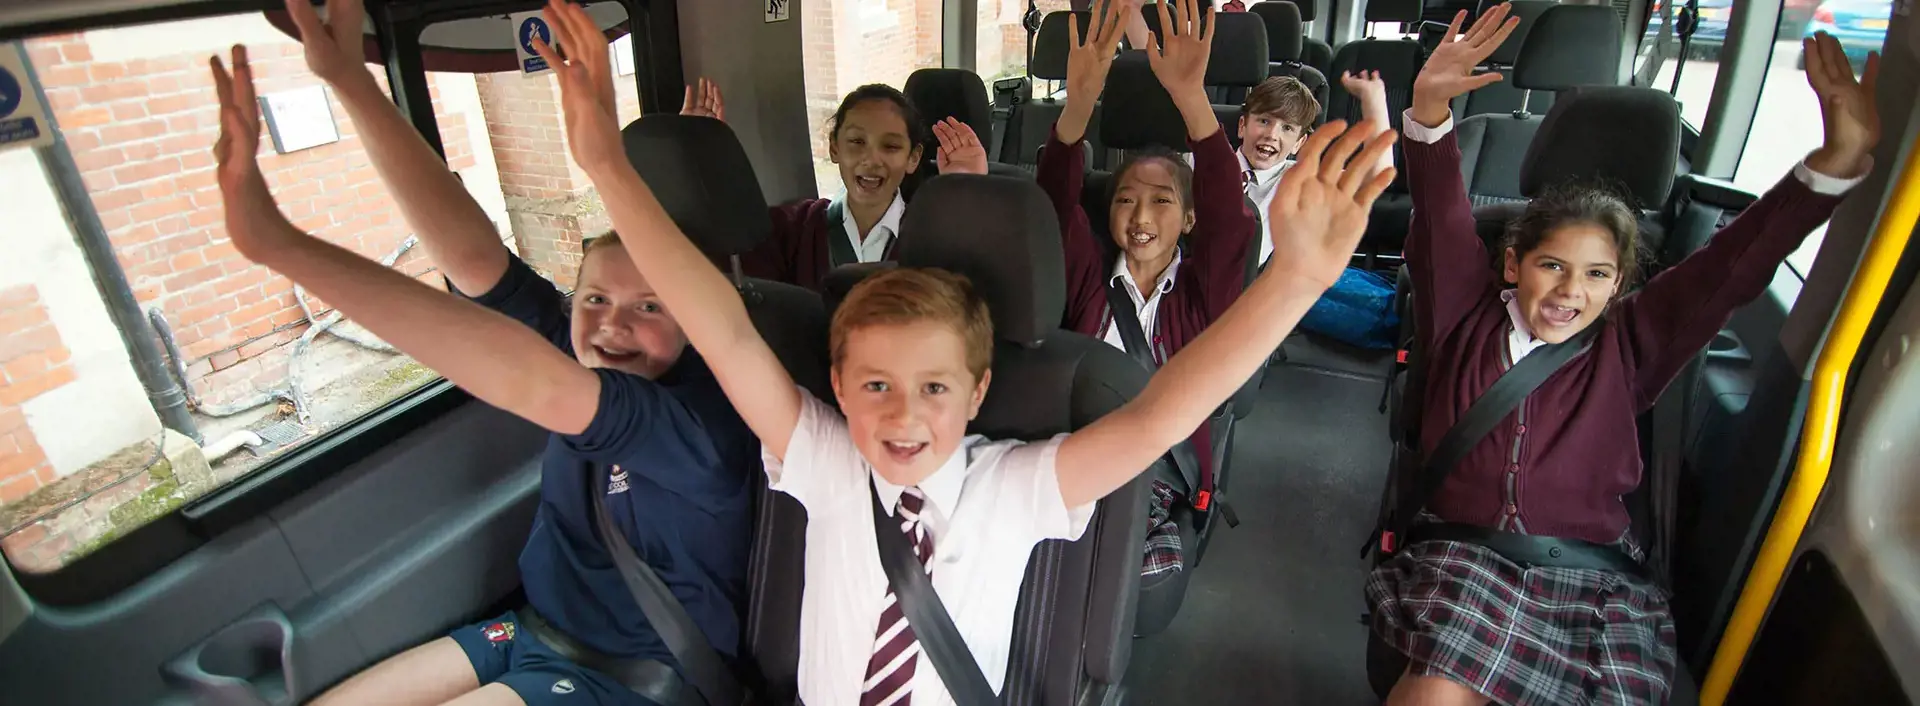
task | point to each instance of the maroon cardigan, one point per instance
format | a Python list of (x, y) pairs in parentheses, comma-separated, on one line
[(796, 253), (1559, 465), (1212, 269)]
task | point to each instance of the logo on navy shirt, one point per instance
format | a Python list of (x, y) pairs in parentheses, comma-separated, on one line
[(564, 686), (498, 632), (617, 483)]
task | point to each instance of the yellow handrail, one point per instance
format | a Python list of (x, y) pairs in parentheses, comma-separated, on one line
[(1822, 428)]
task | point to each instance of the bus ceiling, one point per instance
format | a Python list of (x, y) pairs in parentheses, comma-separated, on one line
[(466, 36)]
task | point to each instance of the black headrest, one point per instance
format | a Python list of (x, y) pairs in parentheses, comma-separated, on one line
[(1306, 9), (1052, 43), (1568, 46), (701, 174), (1284, 33), (1528, 11), (1581, 137), (840, 280), (1239, 56), (1013, 257), (1151, 118), (939, 94), (1394, 10)]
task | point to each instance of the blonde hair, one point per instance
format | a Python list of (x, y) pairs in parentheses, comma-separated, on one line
[(905, 295), (609, 239)]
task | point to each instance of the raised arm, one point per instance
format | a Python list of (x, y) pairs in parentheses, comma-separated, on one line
[(1062, 171), (1088, 60), (1680, 311), (456, 233), (1181, 66), (1224, 224), (960, 151), (1373, 103), (1318, 215), (700, 297), (1449, 264), (500, 361)]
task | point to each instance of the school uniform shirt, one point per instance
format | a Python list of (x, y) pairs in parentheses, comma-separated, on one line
[(671, 460), (799, 251), (1559, 465), (1145, 308), (1213, 265), (1260, 187), (985, 507)]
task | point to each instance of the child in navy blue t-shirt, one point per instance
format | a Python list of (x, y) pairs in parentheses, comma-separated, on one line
[(639, 422)]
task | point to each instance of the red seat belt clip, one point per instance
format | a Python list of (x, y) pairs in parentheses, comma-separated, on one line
[(1386, 542), (1202, 499), (1400, 356)]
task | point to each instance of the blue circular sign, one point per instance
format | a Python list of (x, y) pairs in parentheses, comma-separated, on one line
[(534, 27), (10, 93)]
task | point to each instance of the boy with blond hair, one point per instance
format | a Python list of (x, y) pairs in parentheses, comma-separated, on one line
[(911, 365)]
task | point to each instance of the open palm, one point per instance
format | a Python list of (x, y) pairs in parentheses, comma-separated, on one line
[(1449, 71), (1185, 44), (586, 84), (1320, 207), (1849, 116), (1090, 57), (335, 49)]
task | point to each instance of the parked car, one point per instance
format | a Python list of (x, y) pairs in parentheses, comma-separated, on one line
[(1860, 25)]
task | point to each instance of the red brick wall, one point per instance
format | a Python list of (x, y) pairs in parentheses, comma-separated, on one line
[(142, 131), (32, 361)]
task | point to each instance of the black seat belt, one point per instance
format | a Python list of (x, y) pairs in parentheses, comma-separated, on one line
[(1120, 309), (932, 625), (1669, 451), (1504, 396), (699, 662)]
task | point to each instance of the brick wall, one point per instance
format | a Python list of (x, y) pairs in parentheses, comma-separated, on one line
[(141, 132), (33, 360)]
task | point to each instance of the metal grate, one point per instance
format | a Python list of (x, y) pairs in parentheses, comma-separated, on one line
[(282, 433)]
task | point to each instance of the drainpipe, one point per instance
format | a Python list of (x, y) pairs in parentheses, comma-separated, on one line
[(168, 401)]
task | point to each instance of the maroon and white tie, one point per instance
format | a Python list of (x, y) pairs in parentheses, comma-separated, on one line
[(889, 679)]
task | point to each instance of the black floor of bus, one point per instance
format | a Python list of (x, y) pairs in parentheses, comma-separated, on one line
[(1272, 615)]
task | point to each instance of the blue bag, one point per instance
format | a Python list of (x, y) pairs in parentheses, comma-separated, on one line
[(1358, 311)]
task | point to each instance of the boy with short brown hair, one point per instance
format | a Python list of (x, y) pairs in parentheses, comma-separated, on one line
[(905, 377), (1277, 117)]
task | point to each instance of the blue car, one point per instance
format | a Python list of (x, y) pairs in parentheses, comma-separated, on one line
[(1860, 25)]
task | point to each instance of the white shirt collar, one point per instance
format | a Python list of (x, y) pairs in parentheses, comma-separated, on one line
[(1263, 179), (942, 488), (1520, 340), (872, 246), (1163, 285)]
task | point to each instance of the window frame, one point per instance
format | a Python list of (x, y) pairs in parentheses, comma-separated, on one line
[(139, 554)]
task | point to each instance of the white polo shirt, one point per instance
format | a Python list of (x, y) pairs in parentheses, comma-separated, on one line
[(872, 246), (985, 517)]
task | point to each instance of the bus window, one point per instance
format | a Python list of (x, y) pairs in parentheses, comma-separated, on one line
[(1786, 125), (1001, 49), (83, 457), (1696, 65), (850, 43)]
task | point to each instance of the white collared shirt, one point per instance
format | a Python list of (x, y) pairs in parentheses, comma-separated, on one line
[(985, 515), (1520, 340), (1264, 183), (1145, 308), (872, 247)]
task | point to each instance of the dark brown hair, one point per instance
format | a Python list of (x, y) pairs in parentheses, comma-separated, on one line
[(1284, 96), (1182, 174), (916, 131), (1599, 204)]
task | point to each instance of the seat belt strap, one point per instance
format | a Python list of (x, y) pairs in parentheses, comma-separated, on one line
[(932, 625), (839, 246), (1504, 396), (1669, 450), (1120, 311), (699, 662)]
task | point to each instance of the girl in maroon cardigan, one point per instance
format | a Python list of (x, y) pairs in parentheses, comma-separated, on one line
[(1156, 200), (1474, 625), (877, 141)]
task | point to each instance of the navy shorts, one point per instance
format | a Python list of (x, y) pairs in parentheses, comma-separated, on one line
[(502, 653)]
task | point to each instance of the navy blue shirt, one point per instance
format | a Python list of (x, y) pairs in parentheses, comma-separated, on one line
[(673, 461)]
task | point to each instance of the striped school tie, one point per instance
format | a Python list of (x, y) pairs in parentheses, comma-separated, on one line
[(1247, 181), (895, 649)]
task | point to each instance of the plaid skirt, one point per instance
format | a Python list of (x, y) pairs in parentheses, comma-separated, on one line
[(1163, 534), (1524, 636)]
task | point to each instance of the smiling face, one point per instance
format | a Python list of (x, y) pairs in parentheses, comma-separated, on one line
[(875, 152), (1565, 281), (1267, 140), (1149, 210), (908, 394), (618, 322)]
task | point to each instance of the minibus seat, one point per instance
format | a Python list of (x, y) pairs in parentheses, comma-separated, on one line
[(1503, 96), (1398, 61), (1567, 46), (1030, 123), (1237, 62), (1071, 631), (938, 94), (701, 175), (1314, 51), (1285, 42)]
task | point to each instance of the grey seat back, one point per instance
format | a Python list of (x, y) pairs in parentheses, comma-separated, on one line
[(1285, 42), (702, 176), (1073, 628), (1493, 146), (940, 93), (1314, 51), (1238, 60), (1504, 96), (1397, 60)]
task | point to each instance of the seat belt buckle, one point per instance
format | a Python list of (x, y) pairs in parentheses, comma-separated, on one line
[(1386, 542), (1202, 499), (1400, 356)]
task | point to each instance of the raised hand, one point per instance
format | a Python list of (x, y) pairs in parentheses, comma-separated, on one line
[(1185, 44), (1449, 70), (586, 85), (1320, 207), (960, 148), (1367, 85), (336, 48), (1847, 109), (1088, 60), (253, 220), (706, 102)]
